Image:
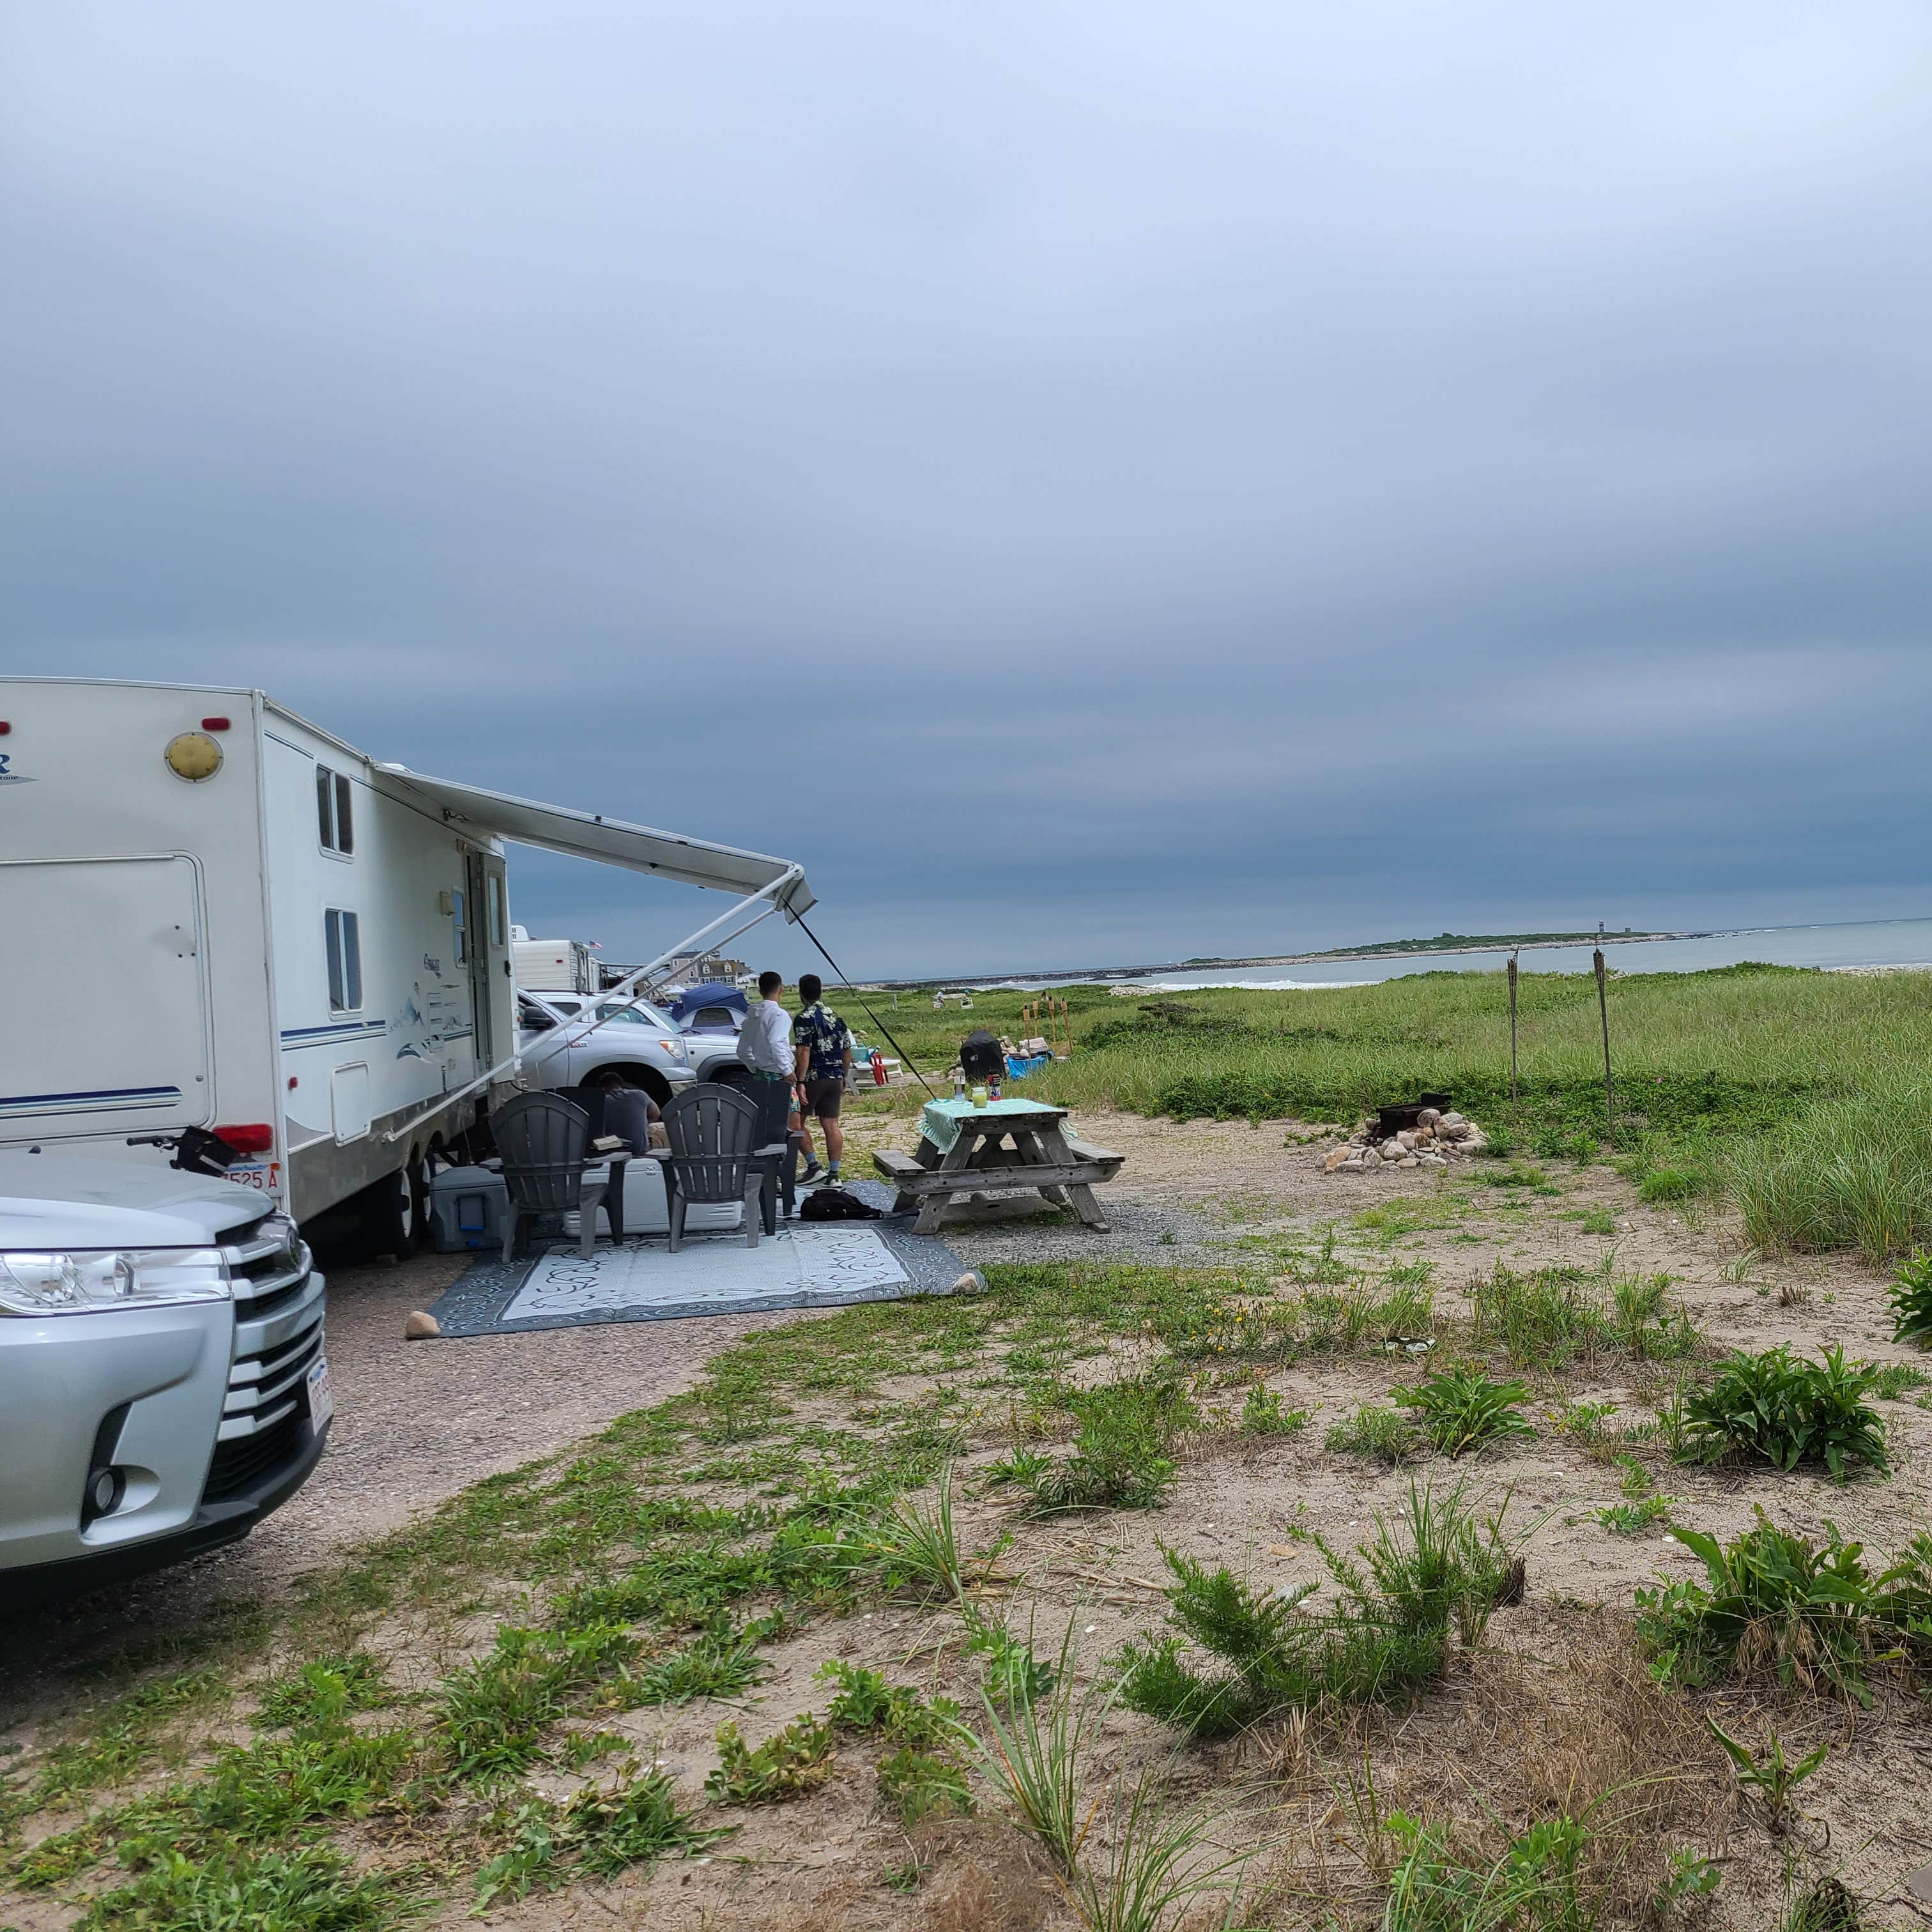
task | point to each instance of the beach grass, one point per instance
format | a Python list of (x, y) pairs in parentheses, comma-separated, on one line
[(1801, 1094)]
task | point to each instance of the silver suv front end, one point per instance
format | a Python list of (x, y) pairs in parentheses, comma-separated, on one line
[(154, 1402)]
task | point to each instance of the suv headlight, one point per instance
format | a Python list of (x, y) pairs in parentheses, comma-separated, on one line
[(85, 1283)]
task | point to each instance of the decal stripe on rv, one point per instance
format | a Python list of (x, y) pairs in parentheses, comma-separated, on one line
[(101, 1101)]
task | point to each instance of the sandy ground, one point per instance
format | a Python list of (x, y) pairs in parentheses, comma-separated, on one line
[(415, 1422), (418, 1421)]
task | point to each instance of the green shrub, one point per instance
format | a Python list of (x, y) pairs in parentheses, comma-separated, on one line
[(1912, 1299), (637, 1823), (1382, 1434), (1461, 1408), (1770, 1603), (788, 1764), (920, 1784), (1281, 1658), (721, 1662), (1264, 1414), (1667, 1183), (1890, 1381), (1548, 1319), (1120, 1457), (1396, 1602), (1779, 1408)]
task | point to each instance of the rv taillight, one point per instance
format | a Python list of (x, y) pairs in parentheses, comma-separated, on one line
[(214, 724), (257, 1138), (4, 727)]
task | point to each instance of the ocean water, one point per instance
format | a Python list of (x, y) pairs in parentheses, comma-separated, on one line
[(1892, 942)]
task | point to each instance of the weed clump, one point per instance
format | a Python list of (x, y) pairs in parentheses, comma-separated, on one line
[(495, 1710), (323, 1692), (1377, 1431), (1264, 1414), (1385, 1636), (1121, 1457), (1777, 1408), (1461, 1408), (1912, 1299), (721, 1662), (923, 1777), (789, 1764), (1774, 1602), (1535, 1884), (308, 1886)]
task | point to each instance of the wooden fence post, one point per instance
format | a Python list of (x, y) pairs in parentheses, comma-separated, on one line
[(1512, 991), (1604, 1010)]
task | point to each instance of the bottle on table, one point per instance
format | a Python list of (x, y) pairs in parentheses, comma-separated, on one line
[(958, 1085)]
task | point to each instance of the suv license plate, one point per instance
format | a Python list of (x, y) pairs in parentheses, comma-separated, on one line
[(321, 1402)]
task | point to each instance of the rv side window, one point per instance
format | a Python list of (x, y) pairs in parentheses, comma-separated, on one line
[(334, 813), (344, 940), (496, 901)]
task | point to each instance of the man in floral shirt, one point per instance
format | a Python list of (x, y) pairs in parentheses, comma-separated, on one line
[(824, 1044)]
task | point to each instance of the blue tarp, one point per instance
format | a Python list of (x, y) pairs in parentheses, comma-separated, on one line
[(698, 997)]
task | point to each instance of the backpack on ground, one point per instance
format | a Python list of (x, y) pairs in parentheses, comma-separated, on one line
[(834, 1204)]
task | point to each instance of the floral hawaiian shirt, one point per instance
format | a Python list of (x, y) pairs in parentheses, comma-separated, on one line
[(828, 1036)]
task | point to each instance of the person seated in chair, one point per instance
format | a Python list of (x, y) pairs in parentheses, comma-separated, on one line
[(630, 1113)]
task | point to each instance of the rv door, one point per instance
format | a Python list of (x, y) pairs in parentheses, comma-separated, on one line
[(107, 1021), (489, 953)]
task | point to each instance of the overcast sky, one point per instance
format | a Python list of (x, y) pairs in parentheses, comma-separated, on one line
[(1097, 483)]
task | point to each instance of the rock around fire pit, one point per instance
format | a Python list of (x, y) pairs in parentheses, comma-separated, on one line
[(1438, 1135)]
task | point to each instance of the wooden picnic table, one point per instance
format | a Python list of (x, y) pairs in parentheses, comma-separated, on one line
[(1005, 1146)]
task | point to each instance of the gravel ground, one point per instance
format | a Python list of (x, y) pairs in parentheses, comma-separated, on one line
[(416, 1421)]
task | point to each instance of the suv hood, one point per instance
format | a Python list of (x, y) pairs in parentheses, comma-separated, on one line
[(57, 1200)]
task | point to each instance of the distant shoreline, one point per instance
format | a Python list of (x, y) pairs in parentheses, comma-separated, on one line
[(1097, 975)]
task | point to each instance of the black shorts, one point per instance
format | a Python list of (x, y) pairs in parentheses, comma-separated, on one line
[(822, 1098)]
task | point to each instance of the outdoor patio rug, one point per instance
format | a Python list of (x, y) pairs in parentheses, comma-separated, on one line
[(816, 1264)]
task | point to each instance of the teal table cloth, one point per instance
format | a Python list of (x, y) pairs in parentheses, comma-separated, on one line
[(940, 1119)]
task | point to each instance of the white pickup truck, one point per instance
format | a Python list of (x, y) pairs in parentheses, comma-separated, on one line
[(163, 1382)]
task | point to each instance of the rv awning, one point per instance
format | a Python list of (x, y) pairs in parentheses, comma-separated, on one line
[(584, 835)]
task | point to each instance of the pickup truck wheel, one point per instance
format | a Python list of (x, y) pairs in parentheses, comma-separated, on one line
[(391, 1212)]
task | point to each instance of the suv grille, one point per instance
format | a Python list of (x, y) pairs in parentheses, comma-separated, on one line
[(278, 1335), (267, 1274)]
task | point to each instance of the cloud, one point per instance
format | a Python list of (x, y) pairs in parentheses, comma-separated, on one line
[(1079, 478)]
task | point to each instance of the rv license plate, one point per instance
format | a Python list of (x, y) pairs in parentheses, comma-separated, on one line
[(265, 1174), (321, 1402)]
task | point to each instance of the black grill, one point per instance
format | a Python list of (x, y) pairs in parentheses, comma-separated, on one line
[(290, 1269), (239, 1464)]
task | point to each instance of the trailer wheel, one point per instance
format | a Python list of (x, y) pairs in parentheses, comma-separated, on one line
[(392, 1212)]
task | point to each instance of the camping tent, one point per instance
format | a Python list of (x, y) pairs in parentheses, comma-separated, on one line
[(697, 998)]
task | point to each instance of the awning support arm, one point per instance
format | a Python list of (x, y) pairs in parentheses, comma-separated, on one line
[(767, 901)]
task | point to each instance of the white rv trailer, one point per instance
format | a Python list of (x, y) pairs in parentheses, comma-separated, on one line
[(217, 916), (554, 966)]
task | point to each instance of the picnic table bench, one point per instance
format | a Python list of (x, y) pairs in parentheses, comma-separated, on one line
[(1004, 1147)]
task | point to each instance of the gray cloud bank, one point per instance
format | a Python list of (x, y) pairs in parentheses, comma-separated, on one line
[(1096, 482)]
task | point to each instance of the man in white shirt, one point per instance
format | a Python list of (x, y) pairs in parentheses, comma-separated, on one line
[(764, 1041), (765, 1049)]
